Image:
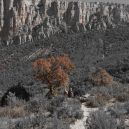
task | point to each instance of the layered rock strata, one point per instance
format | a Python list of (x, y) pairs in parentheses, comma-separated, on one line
[(28, 20)]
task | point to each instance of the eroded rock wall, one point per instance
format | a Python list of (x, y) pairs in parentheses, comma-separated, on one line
[(22, 20)]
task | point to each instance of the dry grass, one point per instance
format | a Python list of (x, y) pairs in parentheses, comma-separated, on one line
[(13, 112), (101, 77)]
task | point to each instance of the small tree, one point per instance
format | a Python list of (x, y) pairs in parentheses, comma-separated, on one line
[(54, 71)]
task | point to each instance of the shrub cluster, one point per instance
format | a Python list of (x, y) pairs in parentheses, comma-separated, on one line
[(102, 120), (101, 77), (97, 100), (67, 109)]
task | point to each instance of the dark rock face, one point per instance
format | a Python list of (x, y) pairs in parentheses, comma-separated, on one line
[(20, 93)]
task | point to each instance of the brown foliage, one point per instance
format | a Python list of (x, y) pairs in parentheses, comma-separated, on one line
[(59, 77), (53, 71), (63, 61), (41, 68), (101, 77)]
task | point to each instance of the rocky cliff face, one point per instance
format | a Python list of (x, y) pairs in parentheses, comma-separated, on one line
[(28, 20)]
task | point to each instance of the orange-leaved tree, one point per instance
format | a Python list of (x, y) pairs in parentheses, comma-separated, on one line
[(54, 71)]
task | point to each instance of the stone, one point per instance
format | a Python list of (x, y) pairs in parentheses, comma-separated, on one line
[(79, 16)]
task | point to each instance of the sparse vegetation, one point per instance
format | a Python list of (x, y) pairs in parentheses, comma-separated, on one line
[(54, 71), (67, 109), (116, 91), (98, 100), (13, 112), (88, 50), (102, 120), (123, 97)]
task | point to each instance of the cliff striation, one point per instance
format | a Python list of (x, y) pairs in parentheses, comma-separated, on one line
[(29, 20)]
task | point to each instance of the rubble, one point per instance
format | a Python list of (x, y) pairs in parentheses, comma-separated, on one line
[(24, 20)]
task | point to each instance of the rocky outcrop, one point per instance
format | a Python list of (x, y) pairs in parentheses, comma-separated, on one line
[(28, 20)]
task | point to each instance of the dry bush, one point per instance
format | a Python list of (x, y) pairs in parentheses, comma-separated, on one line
[(122, 97), (101, 77), (101, 120), (13, 112), (97, 100), (54, 71), (101, 99)]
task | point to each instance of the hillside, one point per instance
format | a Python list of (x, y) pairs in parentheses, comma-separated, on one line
[(64, 65), (88, 51)]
